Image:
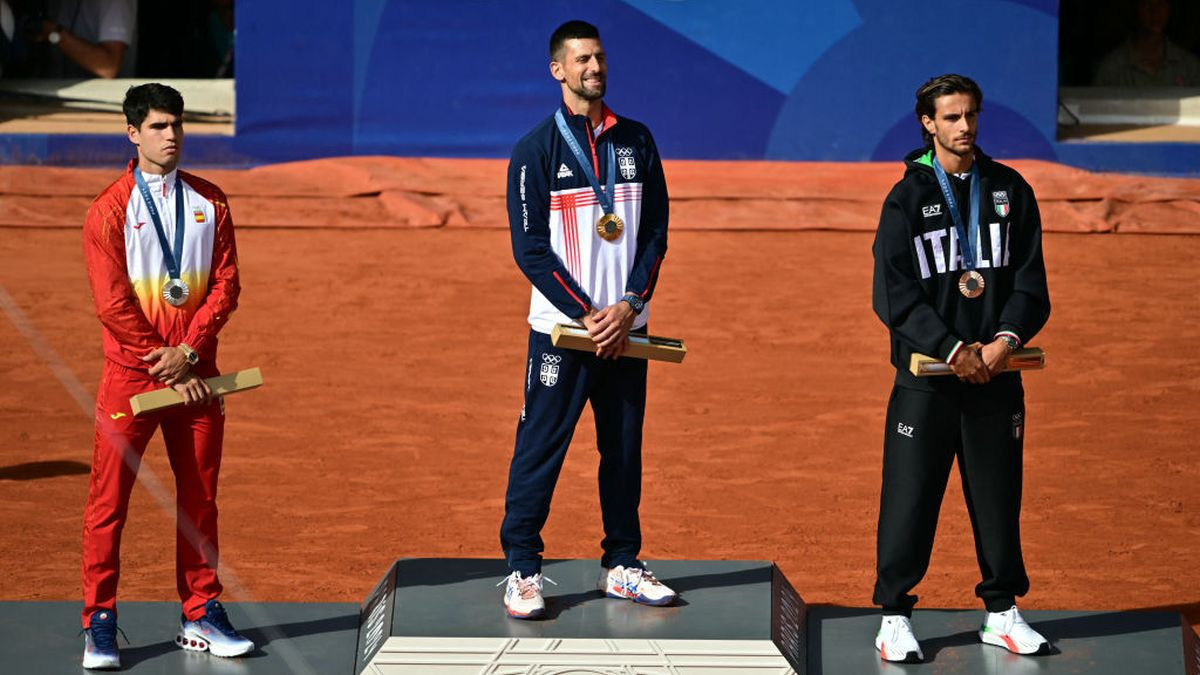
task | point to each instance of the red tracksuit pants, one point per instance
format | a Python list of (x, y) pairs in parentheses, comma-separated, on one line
[(193, 436)]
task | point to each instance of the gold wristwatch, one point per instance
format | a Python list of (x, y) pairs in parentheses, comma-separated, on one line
[(192, 357)]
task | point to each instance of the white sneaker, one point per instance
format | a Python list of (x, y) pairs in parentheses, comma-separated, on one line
[(523, 596), (897, 642), (1007, 629), (637, 584)]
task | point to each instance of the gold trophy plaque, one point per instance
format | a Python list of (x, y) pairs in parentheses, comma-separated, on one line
[(221, 385), (650, 347), (1026, 358)]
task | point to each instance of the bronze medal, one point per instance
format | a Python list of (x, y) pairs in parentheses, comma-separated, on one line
[(610, 227), (971, 284)]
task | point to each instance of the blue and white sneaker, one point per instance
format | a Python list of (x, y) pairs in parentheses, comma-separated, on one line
[(212, 633), (637, 584), (100, 642), (523, 595)]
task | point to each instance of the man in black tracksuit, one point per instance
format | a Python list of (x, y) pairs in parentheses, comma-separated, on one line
[(968, 289)]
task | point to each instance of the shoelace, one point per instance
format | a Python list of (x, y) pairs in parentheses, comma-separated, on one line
[(217, 618), (640, 574), (526, 586), (1012, 619), (105, 636)]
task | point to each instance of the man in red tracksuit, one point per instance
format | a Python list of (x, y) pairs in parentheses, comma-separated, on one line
[(162, 264)]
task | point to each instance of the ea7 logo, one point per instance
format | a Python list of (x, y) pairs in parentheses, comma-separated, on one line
[(904, 430), (931, 210)]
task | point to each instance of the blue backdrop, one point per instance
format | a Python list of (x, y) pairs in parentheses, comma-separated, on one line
[(795, 79), (714, 79)]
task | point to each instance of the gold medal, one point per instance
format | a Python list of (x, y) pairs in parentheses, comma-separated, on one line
[(971, 284), (610, 227)]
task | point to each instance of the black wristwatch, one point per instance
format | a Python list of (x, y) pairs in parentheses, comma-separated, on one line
[(1010, 343), (635, 302)]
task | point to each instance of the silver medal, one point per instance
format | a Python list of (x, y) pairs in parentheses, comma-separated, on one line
[(175, 292)]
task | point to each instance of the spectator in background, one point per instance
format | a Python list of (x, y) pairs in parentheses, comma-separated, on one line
[(86, 38), (1148, 58)]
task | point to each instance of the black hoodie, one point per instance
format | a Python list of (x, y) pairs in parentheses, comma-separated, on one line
[(918, 264)]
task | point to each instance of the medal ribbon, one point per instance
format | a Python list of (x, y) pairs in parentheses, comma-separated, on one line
[(965, 239), (172, 261), (606, 195)]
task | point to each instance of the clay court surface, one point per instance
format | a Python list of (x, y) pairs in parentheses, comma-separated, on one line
[(387, 316)]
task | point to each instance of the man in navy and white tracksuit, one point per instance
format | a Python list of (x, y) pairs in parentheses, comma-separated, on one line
[(589, 230)]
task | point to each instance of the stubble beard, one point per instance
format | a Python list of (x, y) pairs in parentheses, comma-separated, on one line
[(952, 148), (588, 93)]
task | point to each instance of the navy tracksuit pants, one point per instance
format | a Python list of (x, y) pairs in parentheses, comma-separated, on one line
[(558, 383), (983, 427)]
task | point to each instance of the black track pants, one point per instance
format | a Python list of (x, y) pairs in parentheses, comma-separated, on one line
[(983, 426)]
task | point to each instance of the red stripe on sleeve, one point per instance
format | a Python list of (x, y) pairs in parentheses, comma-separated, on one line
[(653, 275), (572, 293)]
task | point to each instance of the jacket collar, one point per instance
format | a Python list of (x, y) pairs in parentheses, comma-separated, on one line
[(922, 159), (580, 121), (154, 181)]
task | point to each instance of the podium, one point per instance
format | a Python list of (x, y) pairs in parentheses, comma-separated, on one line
[(734, 617), (445, 617)]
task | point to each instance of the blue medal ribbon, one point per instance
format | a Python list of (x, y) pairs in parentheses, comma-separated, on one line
[(173, 261), (605, 196), (966, 240)]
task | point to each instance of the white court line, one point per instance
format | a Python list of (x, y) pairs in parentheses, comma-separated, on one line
[(87, 405)]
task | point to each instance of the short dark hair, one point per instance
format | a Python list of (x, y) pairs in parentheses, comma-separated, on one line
[(571, 30), (940, 86), (140, 100)]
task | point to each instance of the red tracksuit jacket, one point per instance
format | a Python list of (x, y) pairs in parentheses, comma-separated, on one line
[(126, 269)]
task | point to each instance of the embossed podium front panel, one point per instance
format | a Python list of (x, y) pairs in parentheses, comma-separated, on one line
[(446, 617)]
